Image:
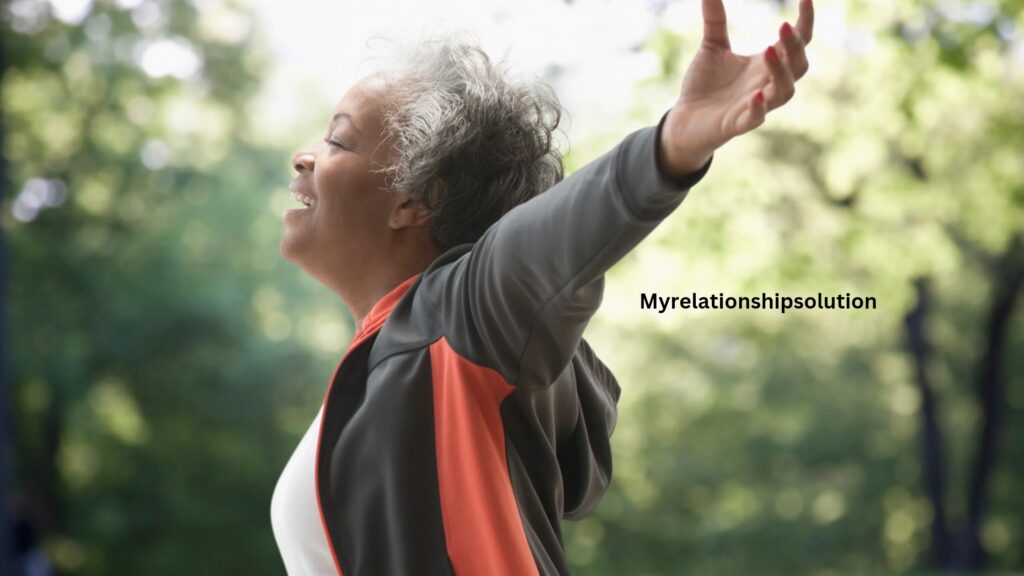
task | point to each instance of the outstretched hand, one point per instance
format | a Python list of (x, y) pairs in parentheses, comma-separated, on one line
[(726, 94)]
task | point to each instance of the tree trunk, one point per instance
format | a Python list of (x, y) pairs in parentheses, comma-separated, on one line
[(7, 561), (991, 391), (932, 459)]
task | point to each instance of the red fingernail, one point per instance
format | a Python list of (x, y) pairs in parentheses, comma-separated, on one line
[(787, 30), (771, 55), (759, 98)]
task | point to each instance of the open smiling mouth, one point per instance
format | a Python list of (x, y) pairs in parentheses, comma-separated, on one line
[(307, 201)]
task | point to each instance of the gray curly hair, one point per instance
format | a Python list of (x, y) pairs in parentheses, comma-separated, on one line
[(471, 142)]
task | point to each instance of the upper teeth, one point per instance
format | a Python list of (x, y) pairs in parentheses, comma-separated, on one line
[(300, 197)]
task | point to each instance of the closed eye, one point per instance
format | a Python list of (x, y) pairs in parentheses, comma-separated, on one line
[(335, 143)]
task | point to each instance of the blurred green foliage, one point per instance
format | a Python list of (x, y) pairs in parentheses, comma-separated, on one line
[(166, 359), (161, 377), (755, 443)]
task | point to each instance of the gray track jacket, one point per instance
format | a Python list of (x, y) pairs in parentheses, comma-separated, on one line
[(469, 417)]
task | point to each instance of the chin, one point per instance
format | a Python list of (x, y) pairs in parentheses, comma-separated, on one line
[(289, 251)]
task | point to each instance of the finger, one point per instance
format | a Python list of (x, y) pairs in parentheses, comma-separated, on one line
[(716, 31), (753, 114), (781, 88), (805, 23), (793, 50)]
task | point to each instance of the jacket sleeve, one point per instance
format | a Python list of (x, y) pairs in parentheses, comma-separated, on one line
[(523, 295)]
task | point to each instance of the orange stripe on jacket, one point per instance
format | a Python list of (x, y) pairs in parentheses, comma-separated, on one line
[(483, 531)]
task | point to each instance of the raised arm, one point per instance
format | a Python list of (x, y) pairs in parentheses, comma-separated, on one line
[(521, 298)]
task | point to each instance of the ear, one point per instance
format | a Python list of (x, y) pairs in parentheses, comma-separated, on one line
[(409, 213)]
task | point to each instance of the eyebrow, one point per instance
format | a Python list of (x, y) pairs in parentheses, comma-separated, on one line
[(345, 116)]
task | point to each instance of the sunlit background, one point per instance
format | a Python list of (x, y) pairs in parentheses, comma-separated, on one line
[(160, 360)]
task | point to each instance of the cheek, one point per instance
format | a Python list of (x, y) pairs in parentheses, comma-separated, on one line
[(352, 202)]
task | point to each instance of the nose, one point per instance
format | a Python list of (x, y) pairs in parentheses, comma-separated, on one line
[(303, 161)]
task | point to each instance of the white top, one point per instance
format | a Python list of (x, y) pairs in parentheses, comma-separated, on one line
[(294, 514)]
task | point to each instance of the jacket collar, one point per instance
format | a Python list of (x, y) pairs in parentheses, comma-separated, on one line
[(380, 310)]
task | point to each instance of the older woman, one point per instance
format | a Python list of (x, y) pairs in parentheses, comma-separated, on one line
[(468, 417)]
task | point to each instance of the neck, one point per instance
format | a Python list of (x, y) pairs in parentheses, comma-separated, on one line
[(361, 282), (361, 304), (361, 292)]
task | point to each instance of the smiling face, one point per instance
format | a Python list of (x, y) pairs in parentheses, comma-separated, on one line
[(345, 228)]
